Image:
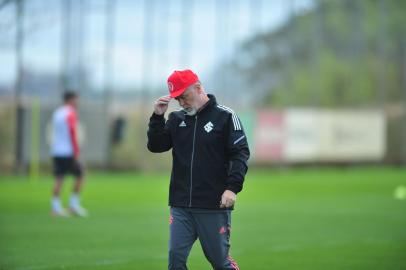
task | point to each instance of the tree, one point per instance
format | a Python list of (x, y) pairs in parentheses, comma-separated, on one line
[(340, 53)]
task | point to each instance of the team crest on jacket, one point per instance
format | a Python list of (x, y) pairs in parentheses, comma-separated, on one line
[(208, 127)]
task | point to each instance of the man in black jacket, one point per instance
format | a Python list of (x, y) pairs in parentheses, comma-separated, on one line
[(210, 153)]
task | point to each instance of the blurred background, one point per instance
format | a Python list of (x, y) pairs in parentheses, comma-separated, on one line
[(320, 86), (312, 81)]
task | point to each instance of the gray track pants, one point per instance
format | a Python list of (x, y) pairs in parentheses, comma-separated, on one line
[(212, 227)]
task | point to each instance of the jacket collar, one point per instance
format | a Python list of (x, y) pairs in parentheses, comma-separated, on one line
[(212, 102)]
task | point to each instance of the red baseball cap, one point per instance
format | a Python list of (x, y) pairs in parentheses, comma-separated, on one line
[(180, 80)]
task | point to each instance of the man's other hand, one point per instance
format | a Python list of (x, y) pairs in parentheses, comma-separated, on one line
[(228, 199)]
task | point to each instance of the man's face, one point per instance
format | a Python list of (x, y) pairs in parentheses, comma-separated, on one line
[(188, 100)]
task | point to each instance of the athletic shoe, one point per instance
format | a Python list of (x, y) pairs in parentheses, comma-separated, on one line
[(78, 211), (60, 213)]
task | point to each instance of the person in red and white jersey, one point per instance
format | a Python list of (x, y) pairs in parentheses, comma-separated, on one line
[(65, 154)]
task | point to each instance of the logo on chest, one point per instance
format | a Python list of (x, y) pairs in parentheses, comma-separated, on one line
[(208, 127), (182, 124)]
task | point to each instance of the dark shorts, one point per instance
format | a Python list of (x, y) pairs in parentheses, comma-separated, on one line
[(67, 165)]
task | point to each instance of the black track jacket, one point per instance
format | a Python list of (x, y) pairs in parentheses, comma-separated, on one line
[(210, 153)]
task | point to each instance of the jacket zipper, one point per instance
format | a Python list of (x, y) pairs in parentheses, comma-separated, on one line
[(191, 162)]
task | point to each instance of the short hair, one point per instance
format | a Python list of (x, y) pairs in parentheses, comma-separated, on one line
[(69, 95)]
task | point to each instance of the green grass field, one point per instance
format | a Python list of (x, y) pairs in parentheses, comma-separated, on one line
[(284, 219)]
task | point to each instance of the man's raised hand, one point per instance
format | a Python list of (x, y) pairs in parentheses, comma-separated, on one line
[(161, 105)]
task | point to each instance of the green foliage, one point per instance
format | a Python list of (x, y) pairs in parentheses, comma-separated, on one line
[(341, 53)]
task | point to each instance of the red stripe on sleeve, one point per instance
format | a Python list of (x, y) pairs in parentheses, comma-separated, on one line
[(72, 124)]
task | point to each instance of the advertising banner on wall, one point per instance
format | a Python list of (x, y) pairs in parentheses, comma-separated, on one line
[(309, 135), (269, 135)]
